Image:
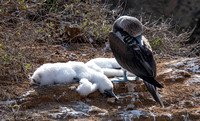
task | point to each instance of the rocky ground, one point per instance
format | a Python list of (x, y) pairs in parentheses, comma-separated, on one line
[(179, 76)]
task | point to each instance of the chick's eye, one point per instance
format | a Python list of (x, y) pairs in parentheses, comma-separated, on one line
[(36, 81)]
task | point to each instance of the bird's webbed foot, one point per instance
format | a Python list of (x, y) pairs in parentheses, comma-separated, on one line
[(121, 80)]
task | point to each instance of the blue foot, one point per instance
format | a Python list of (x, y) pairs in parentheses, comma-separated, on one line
[(121, 80), (124, 79), (118, 80)]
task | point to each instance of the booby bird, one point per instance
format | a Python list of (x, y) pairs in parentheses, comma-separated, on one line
[(72, 71), (133, 52)]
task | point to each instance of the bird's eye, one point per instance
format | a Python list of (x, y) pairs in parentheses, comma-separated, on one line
[(36, 81)]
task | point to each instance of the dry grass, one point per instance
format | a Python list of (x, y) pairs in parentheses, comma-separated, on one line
[(165, 37)]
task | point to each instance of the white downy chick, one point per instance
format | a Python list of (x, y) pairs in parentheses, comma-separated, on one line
[(52, 73)]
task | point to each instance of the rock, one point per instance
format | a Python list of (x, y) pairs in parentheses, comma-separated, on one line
[(185, 73), (137, 103), (67, 113), (140, 88), (136, 115), (120, 87), (194, 115), (164, 117), (177, 79), (131, 87), (97, 111), (111, 100), (130, 107), (180, 115), (188, 104), (127, 99)]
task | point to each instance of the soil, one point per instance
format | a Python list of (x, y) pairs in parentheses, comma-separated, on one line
[(179, 76)]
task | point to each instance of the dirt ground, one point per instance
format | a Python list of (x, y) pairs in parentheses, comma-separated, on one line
[(179, 76)]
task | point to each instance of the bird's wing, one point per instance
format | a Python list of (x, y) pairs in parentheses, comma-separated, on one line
[(134, 59)]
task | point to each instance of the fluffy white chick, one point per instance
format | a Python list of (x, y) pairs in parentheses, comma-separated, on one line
[(107, 66), (105, 63), (102, 82), (52, 73)]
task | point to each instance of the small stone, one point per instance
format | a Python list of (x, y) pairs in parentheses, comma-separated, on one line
[(194, 116), (72, 88), (185, 74), (111, 100), (128, 97), (175, 79), (140, 88), (189, 104), (84, 55), (96, 110), (130, 107)]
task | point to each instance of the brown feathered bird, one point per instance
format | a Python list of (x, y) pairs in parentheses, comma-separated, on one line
[(133, 52)]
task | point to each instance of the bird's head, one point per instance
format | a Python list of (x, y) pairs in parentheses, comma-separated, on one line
[(36, 78), (129, 24)]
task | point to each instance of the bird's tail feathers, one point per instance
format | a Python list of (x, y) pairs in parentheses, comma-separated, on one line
[(152, 81), (152, 89)]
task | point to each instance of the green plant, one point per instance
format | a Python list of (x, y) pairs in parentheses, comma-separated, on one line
[(154, 43), (19, 32), (51, 4), (6, 59), (49, 24), (22, 3)]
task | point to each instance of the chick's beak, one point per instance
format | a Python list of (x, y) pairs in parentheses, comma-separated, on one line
[(110, 93), (35, 82)]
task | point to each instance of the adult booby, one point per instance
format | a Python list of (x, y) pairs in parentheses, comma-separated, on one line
[(133, 52)]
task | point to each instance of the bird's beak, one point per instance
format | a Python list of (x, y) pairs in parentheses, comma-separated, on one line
[(35, 82), (139, 39), (110, 93)]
